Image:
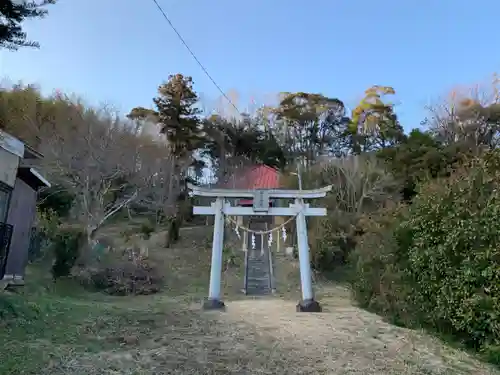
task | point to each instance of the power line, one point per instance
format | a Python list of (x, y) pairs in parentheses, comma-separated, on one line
[(194, 56)]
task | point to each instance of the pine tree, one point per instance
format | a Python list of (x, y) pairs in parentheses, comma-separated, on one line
[(12, 14), (178, 115)]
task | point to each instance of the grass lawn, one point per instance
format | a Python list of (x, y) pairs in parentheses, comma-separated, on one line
[(60, 329)]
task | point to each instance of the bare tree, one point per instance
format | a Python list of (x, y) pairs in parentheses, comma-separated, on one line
[(158, 197), (470, 115), (98, 158)]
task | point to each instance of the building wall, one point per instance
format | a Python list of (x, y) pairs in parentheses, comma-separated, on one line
[(8, 167), (21, 215)]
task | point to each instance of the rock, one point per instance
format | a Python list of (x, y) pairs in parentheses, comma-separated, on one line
[(130, 340)]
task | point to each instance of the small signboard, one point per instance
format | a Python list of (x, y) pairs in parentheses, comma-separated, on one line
[(261, 201)]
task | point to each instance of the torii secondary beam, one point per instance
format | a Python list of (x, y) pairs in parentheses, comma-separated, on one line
[(229, 210)]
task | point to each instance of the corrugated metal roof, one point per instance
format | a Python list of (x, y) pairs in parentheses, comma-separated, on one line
[(263, 177), (255, 177), (11, 144)]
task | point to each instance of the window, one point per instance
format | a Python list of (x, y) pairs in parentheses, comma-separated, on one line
[(4, 201)]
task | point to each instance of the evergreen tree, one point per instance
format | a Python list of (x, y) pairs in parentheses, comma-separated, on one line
[(12, 14), (178, 115)]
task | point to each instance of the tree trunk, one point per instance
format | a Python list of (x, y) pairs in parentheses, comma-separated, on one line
[(173, 227)]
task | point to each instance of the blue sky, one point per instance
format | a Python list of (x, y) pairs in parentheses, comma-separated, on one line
[(119, 54)]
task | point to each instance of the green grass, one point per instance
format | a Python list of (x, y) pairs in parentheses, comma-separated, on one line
[(38, 332), (44, 326), (60, 328)]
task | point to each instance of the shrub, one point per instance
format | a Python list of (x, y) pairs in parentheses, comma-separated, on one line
[(331, 239), (378, 265), (122, 277), (454, 256), (359, 185), (66, 244), (46, 227), (437, 262), (56, 200), (146, 230)]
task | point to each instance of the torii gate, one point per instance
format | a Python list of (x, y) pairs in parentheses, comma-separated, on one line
[(261, 199)]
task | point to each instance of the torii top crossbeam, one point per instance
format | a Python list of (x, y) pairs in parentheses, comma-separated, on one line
[(274, 193)]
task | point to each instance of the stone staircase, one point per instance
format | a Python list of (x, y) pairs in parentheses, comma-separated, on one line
[(258, 275)]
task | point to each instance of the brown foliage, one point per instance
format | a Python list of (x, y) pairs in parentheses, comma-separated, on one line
[(106, 162), (127, 278)]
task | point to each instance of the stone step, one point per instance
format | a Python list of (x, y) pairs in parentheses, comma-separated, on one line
[(258, 278), (257, 270), (258, 281), (258, 265), (261, 276), (258, 275), (258, 286), (258, 292)]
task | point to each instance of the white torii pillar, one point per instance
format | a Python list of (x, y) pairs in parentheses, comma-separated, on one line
[(220, 208)]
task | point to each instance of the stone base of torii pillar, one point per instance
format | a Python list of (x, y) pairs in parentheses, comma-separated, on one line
[(213, 304), (309, 306)]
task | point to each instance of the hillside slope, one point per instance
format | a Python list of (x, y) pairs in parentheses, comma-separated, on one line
[(167, 333)]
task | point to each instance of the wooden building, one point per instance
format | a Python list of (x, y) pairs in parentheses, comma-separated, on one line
[(19, 183)]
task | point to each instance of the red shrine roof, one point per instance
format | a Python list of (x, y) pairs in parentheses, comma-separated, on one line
[(260, 177), (254, 177)]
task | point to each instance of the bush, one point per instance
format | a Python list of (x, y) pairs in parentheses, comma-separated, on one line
[(56, 199), (66, 244), (437, 262), (123, 277), (359, 185), (378, 266), (454, 255), (331, 239), (146, 230)]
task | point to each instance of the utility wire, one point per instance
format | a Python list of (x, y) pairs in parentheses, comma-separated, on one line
[(194, 56)]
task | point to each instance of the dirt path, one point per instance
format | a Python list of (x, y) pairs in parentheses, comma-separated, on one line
[(261, 337), (348, 340), (264, 337)]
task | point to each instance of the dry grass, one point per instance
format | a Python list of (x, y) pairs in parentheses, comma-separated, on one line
[(168, 334), (189, 342), (348, 340)]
